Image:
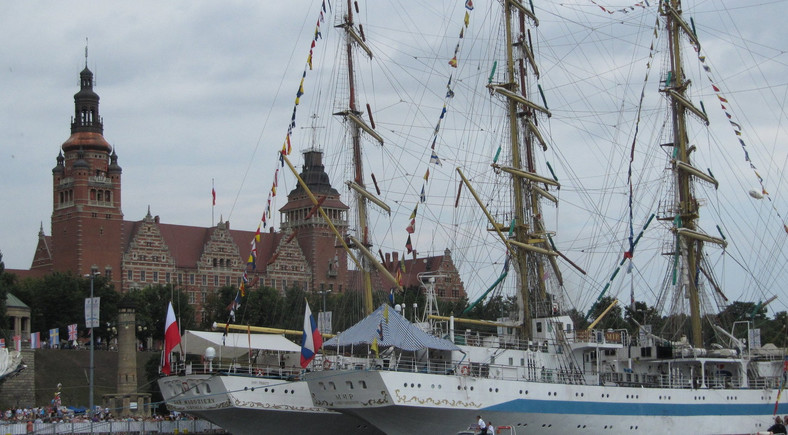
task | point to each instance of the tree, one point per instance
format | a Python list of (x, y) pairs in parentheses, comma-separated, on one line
[(151, 310), (58, 300), (263, 307), (613, 319), (215, 307)]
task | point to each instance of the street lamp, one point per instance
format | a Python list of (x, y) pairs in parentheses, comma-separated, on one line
[(92, 275), (324, 292)]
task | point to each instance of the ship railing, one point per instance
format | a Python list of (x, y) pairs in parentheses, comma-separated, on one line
[(682, 381), (230, 368), (765, 382), (469, 369), (501, 341)]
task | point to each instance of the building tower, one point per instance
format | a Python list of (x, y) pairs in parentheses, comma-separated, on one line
[(127, 401), (318, 243), (87, 219)]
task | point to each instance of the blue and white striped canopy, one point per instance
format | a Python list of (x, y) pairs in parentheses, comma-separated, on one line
[(390, 329)]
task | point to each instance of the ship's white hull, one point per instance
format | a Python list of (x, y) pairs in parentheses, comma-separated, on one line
[(252, 405), (406, 403)]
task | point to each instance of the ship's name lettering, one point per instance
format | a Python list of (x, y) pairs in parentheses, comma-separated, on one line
[(344, 396), (198, 401)]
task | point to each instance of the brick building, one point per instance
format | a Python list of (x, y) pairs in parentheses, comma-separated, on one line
[(89, 233)]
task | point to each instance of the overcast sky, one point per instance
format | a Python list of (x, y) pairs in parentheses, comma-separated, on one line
[(199, 90)]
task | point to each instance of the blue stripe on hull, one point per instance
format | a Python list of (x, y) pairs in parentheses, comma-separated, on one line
[(645, 409)]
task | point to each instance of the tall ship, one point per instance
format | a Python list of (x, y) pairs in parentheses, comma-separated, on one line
[(544, 368), (248, 383)]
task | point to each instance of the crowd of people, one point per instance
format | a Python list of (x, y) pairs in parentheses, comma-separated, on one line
[(60, 414)]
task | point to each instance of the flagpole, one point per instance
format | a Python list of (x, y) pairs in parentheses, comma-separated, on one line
[(213, 201)]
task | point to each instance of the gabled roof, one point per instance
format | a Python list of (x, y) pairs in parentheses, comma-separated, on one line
[(388, 328), (186, 243)]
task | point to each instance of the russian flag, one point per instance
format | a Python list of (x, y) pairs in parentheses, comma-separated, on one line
[(35, 340), (311, 341)]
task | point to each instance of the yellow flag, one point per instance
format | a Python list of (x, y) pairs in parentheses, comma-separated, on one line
[(374, 347)]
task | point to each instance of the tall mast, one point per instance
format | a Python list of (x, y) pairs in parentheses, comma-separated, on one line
[(689, 241), (356, 125), (529, 235)]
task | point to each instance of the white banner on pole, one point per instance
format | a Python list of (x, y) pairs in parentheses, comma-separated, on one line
[(92, 312)]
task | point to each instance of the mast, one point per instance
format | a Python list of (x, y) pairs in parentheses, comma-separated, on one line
[(529, 236), (689, 241), (356, 126)]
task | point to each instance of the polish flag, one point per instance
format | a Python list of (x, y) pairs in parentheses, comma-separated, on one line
[(311, 340), (172, 337)]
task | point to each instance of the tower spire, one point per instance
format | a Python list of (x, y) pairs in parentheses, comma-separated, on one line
[(86, 52)]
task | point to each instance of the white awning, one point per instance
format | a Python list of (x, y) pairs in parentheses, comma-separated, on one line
[(235, 344)]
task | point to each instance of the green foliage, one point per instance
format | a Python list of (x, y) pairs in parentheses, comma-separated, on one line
[(151, 310), (215, 307), (58, 300), (613, 319)]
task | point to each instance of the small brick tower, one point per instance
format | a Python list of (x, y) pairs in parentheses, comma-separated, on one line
[(127, 402)]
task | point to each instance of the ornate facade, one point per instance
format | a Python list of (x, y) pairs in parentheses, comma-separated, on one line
[(89, 234)]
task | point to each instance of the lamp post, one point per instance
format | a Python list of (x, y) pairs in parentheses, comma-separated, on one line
[(323, 321), (92, 317), (323, 292)]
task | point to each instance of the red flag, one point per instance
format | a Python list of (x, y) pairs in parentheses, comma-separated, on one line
[(172, 337), (213, 194)]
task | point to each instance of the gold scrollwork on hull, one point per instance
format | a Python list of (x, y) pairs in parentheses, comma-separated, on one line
[(403, 399), (323, 403), (186, 407), (278, 407), (381, 401)]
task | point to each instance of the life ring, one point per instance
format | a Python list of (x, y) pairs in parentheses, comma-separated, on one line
[(465, 370), (259, 372), (326, 364)]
